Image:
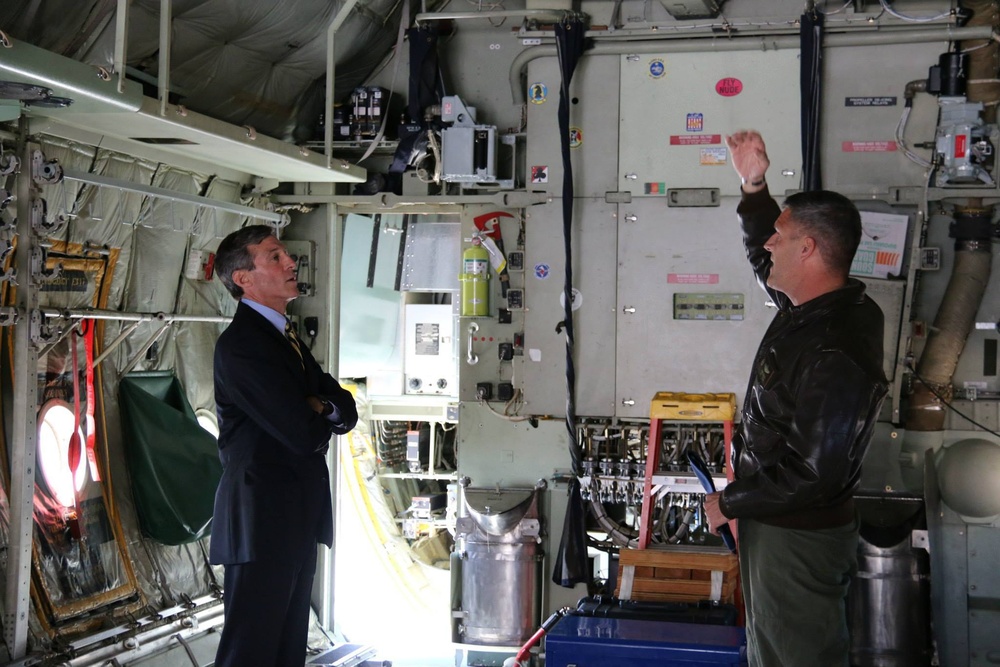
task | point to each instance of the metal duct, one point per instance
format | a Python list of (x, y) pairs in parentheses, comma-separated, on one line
[(983, 84), (954, 319)]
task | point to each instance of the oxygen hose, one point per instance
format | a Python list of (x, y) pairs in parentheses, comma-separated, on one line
[(522, 657)]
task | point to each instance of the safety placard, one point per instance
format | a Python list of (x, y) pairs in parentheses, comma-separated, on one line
[(868, 146), (694, 139), (869, 101), (693, 278)]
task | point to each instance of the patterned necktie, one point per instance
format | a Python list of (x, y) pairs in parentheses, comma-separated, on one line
[(293, 338)]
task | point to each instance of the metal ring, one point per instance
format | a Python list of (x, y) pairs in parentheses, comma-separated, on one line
[(5, 40), (103, 74)]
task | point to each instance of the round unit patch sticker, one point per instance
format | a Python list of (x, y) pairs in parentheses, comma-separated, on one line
[(575, 137), (537, 92), (656, 68)]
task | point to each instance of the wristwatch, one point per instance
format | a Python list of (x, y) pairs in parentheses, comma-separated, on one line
[(327, 408)]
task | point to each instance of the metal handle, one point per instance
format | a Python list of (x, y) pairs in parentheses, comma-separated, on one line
[(471, 358), (631, 176), (628, 309), (628, 401), (631, 217)]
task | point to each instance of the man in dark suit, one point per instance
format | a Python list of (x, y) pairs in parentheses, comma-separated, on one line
[(277, 411)]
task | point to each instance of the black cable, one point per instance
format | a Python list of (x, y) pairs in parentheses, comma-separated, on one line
[(570, 45), (947, 404), (811, 88), (571, 566)]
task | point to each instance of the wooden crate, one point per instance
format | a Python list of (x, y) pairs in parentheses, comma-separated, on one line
[(676, 576)]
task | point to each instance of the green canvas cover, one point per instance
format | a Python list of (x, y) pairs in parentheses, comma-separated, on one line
[(173, 461)]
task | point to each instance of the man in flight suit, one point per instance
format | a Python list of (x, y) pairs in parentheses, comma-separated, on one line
[(814, 396)]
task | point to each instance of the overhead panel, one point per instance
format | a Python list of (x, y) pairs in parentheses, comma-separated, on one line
[(98, 107), (677, 108), (860, 152), (594, 277), (692, 257), (593, 119)]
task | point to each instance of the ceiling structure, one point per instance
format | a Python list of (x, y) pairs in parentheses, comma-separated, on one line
[(246, 77)]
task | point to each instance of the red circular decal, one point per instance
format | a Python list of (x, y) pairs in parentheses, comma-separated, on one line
[(729, 87)]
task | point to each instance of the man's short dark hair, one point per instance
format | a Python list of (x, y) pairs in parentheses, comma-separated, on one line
[(833, 221), (233, 254)]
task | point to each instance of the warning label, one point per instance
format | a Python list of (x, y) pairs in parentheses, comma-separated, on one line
[(868, 146), (693, 278), (427, 339), (869, 101), (694, 140)]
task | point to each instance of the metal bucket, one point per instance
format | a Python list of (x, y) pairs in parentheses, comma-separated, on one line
[(889, 607), (501, 560)]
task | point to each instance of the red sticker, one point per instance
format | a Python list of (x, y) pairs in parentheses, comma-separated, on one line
[(693, 278), (694, 139), (960, 141), (729, 87), (868, 146)]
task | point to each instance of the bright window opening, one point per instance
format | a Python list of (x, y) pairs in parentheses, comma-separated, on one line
[(55, 432), (208, 421)]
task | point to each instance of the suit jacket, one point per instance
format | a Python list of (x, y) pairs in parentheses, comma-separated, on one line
[(273, 501)]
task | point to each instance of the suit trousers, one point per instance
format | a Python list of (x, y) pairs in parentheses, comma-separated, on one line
[(267, 614), (795, 585)]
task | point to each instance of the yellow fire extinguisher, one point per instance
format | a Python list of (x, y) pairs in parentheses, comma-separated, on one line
[(475, 280)]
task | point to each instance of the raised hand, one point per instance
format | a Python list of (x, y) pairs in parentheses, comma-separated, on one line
[(749, 157)]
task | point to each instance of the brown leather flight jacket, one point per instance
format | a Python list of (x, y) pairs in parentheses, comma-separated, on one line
[(813, 398)]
